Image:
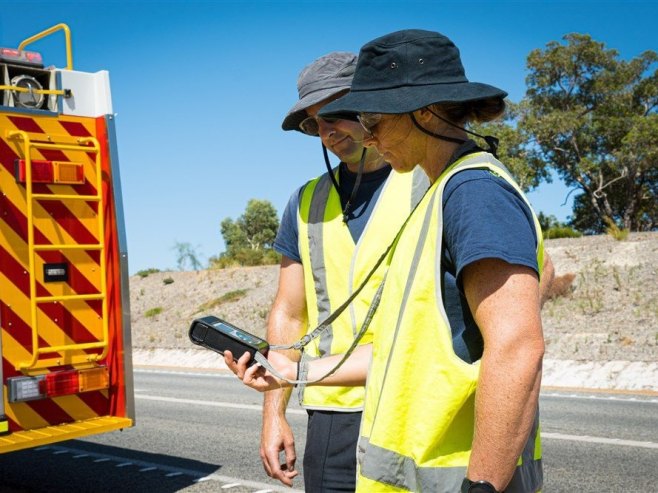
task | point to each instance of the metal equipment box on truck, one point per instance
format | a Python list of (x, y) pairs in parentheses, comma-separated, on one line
[(64, 307)]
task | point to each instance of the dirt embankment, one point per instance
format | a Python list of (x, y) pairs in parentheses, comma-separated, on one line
[(610, 311)]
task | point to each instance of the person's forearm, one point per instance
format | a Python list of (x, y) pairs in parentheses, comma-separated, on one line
[(275, 402), (352, 373), (505, 408), (282, 329)]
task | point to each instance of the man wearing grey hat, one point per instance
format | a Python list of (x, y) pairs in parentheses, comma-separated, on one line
[(333, 230)]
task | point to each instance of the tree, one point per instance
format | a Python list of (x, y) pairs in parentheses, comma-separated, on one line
[(528, 170), (260, 224), (594, 119), (250, 238), (186, 255)]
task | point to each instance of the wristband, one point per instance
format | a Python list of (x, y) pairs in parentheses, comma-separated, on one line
[(297, 375), (302, 370), (481, 486)]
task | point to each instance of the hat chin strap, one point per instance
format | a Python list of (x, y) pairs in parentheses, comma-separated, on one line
[(357, 183), (491, 141)]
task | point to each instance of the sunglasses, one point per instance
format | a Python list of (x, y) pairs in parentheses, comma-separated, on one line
[(311, 125), (369, 121)]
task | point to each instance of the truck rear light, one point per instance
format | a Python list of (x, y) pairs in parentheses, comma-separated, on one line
[(21, 57), (94, 379), (22, 389), (58, 383), (54, 172), (61, 383)]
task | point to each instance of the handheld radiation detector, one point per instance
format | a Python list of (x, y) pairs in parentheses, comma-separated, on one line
[(216, 334)]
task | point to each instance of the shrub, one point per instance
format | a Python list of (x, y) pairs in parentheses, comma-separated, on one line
[(615, 231), (145, 272), (555, 232), (245, 257), (153, 312), (225, 298), (561, 286), (168, 280)]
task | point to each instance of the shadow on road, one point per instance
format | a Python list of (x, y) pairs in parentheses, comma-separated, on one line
[(77, 467)]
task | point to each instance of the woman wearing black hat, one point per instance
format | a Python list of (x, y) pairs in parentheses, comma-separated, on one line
[(449, 404)]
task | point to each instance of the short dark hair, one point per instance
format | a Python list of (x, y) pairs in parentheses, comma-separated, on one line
[(480, 111)]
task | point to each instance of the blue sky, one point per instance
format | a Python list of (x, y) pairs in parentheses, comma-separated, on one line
[(200, 88)]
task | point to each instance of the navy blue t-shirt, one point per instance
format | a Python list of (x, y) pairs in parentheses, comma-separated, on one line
[(483, 217), (286, 242)]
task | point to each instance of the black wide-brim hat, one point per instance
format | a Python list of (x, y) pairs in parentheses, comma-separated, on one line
[(405, 71)]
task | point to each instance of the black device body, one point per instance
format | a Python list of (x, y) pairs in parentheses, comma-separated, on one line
[(217, 334)]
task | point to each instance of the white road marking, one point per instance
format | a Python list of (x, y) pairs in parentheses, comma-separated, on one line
[(213, 374), (601, 440), (600, 397), (555, 436), (217, 374), (230, 405)]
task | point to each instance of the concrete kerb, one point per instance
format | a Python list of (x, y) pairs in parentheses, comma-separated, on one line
[(638, 376)]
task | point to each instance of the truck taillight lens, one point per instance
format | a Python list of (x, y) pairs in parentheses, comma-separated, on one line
[(53, 172), (22, 389), (61, 383), (57, 383), (94, 379)]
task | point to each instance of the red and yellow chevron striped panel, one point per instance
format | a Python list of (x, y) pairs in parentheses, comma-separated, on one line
[(60, 289)]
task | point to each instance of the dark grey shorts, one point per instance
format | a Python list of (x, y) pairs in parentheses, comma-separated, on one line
[(330, 454)]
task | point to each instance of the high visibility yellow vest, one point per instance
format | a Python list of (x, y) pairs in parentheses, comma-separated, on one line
[(418, 419), (334, 267)]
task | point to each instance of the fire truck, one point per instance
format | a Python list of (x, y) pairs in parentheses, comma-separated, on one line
[(64, 307)]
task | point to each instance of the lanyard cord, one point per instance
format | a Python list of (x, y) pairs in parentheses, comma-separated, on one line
[(491, 141), (355, 188), (260, 358), (325, 324)]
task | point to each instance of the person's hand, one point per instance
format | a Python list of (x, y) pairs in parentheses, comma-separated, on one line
[(276, 437), (256, 376)]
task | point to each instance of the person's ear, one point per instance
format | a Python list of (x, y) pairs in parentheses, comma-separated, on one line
[(423, 115)]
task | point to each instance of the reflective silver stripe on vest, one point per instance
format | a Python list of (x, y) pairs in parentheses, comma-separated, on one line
[(315, 241), (419, 186), (388, 467)]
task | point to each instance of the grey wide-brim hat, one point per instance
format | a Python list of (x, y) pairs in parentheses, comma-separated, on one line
[(325, 77), (405, 71)]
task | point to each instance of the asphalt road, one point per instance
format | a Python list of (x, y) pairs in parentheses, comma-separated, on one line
[(199, 432)]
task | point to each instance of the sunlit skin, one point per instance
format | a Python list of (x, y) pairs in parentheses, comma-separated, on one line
[(345, 138), (403, 146)]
